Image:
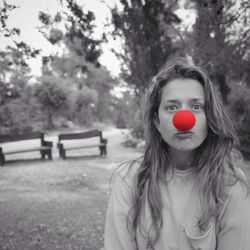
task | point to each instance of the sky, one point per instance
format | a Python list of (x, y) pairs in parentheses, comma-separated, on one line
[(26, 19)]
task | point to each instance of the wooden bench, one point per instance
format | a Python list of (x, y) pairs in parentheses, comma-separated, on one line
[(102, 144), (45, 147)]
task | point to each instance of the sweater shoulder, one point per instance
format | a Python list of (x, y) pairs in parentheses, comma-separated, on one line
[(128, 170)]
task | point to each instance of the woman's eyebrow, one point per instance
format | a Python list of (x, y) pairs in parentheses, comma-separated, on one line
[(190, 100)]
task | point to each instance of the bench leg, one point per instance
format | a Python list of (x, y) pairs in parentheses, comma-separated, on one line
[(62, 153), (42, 154), (103, 150), (2, 159), (46, 152), (49, 154)]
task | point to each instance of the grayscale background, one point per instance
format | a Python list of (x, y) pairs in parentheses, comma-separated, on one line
[(73, 66)]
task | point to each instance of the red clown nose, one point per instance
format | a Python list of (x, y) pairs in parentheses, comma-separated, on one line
[(184, 120)]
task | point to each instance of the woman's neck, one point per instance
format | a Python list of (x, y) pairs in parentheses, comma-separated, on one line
[(181, 159)]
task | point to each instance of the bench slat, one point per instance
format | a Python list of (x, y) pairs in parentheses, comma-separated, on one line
[(26, 150), (78, 147), (83, 135), (10, 138)]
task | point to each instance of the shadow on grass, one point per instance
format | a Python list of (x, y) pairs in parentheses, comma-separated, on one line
[(83, 157), (21, 161), (16, 162)]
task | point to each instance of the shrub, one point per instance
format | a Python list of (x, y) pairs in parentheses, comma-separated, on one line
[(239, 107)]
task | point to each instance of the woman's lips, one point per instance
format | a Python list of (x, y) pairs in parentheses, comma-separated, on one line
[(183, 134)]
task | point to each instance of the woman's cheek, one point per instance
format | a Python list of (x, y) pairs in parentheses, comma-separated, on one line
[(201, 120), (201, 127), (167, 121)]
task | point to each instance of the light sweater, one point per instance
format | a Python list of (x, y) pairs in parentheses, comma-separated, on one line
[(181, 211)]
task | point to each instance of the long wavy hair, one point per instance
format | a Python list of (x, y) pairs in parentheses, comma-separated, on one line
[(213, 158)]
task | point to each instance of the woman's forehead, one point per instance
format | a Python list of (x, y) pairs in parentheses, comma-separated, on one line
[(179, 89)]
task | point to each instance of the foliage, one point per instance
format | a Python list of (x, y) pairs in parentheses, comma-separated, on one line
[(20, 47), (123, 109), (52, 94), (78, 33), (221, 45), (143, 27), (240, 109), (16, 116), (16, 111), (90, 96), (4, 88), (102, 82), (20, 112), (85, 101), (89, 83), (4, 14), (17, 104), (68, 66), (14, 74), (219, 32)]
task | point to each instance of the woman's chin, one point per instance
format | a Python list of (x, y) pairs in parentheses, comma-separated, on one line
[(185, 146)]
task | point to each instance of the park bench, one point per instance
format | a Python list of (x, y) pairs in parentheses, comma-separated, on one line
[(81, 143), (32, 144)]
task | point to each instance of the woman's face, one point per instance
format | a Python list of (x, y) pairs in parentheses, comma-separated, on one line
[(180, 94)]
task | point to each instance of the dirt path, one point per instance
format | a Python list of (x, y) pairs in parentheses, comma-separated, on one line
[(58, 204)]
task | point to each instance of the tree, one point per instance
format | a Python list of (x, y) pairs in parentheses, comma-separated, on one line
[(143, 28), (79, 63), (123, 109), (240, 110), (77, 35), (15, 106), (85, 101), (221, 38), (14, 76), (80, 33), (217, 34), (101, 81), (52, 94), (21, 47)]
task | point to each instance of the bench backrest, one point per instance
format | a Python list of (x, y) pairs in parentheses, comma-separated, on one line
[(19, 137), (83, 135)]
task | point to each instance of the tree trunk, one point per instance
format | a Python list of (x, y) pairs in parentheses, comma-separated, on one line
[(223, 87), (50, 124)]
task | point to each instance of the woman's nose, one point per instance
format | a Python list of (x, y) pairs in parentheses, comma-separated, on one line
[(184, 120)]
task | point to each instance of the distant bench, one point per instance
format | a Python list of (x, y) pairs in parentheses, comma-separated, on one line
[(102, 143), (44, 146)]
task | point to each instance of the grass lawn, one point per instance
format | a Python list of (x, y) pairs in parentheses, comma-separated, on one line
[(60, 207), (58, 204)]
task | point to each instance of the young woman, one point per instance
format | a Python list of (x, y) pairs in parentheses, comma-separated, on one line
[(186, 192)]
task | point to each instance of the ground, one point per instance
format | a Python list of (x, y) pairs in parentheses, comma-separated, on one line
[(58, 204)]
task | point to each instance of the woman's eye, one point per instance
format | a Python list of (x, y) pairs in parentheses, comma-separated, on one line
[(197, 107), (172, 108)]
